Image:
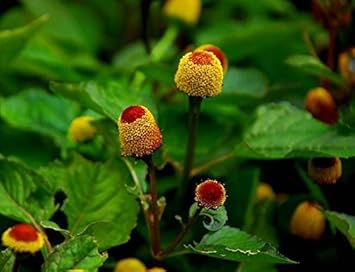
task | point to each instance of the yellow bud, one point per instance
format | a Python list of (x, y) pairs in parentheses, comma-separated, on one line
[(308, 221), (81, 129), (346, 63), (321, 105), (156, 269), (199, 73), (325, 170), (130, 265), (188, 11), (264, 192), (139, 133)]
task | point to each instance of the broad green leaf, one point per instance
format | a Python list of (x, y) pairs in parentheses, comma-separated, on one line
[(235, 245), (344, 223), (314, 66), (80, 252), (54, 226), (284, 131), (7, 259), (109, 98), (97, 196), (25, 195), (14, 40), (37, 111)]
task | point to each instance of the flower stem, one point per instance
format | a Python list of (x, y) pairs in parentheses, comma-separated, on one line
[(154, 221), (194, 113), (145, 6)]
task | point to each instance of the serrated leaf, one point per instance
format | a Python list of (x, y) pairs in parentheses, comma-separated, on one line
[(235, 245), (109, 98), (37, 111), (80, 252), (14, 40), (215, 219), (314, 66), (344, 223), (284, 131), (7, 259), (24, 194), (97, 196)]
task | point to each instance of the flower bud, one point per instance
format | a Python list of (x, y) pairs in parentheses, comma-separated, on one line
[(264, 192), (188, 11), (139, 133), (321, 105), (217, 52), (346, 63), (308, 221), (81, 129), (23, 238), (210, 194), (130, 265), (325, 170), (199, 73)]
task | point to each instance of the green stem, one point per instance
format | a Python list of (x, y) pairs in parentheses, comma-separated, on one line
[(194, 113), (155, 232), (163, 45)]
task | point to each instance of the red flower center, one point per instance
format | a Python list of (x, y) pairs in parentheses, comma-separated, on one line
[(210, 194), (218, 53), (24, 232), (132, 113), (200, 57)]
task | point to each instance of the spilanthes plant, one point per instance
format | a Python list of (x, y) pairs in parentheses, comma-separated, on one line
[(81, 129)]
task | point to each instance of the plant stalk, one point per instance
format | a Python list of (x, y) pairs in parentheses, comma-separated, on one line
[(194, 113)]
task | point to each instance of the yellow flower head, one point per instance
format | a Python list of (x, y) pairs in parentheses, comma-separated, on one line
[(130, 265), (23, 238), (346, 63), (264, 192), (325, 170), (156, 269), (217, 52), (307, 221), (81, 129), (139, 133), (321, 105), (188, 11), (199, 73)]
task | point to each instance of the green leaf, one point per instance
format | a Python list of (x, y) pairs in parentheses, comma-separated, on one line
[(25, 195), (14, 40), (54, 226), (315, 67), (97, 196), (214, 219), (344, 223), (109, 98), (80, 252), (284, 131), (235, 245), (37, 111), (7, 259)]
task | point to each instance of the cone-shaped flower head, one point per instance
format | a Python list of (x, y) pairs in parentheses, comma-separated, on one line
[(321, 105), (156, 269), (325, 170), (81, 129), (23, 238), (188, 11), (307, 221), (264, 192), (217, 52), (130, 265), (210, 194), (139, 133), (347, 65), (199, 73)]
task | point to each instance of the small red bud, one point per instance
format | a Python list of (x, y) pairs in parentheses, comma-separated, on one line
[(210, 194)]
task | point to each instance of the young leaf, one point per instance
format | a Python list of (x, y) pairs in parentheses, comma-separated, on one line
[(235, 245), (284, 131), (344, 223), (314, 66), (47, 117), (7, 259), (80, 252), (109, 98), (25, 195), (13, 41), (97, 196), (215, 219)]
